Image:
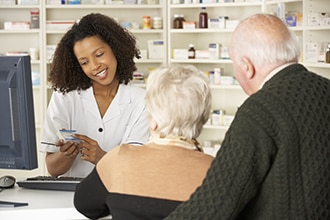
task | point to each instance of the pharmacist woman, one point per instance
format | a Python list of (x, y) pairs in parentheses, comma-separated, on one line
[(90, 74)]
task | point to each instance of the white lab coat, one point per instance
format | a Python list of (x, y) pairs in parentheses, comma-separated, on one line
[(124, 121)]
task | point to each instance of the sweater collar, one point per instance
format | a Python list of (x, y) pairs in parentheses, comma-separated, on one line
[(274, 72)]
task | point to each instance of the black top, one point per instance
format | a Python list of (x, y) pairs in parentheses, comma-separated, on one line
[(119, 206)]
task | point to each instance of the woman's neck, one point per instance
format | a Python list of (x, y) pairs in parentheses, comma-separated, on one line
[(104, 95)]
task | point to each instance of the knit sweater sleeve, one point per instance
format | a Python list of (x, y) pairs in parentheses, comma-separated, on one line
[(240, 166)]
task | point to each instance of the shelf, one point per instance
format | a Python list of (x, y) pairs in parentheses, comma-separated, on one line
[(217, 127), (319, 65), (211, 5), (103, 6), (19, 6), (29, 31), (281, 1), (226, 87), (147, 61), (317, 28), (197, 30), (192, 61)]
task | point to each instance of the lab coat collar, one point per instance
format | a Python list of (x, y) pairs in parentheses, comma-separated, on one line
[(122, 98)]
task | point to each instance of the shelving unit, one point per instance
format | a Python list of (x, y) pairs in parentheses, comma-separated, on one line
[(124, 14), (227, 98), (23, 40)]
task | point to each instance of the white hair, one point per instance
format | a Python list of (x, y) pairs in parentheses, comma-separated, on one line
[(265, 39), (179, 99)]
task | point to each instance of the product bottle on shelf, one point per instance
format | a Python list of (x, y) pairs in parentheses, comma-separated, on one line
[(191, 52), (176, 21), (203, 18), (327, 54), (181, 20)]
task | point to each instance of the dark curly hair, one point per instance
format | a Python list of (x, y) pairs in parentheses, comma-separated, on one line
[(66, 73)]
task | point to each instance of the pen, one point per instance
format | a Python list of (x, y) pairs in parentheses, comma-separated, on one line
[(47, 143)]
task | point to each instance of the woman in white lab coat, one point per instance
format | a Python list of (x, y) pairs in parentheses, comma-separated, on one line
[(90, 74)]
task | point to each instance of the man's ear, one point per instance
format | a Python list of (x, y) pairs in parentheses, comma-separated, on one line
[(249, 67)]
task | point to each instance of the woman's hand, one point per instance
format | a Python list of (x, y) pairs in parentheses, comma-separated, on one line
[(69, 148), (89, 149)]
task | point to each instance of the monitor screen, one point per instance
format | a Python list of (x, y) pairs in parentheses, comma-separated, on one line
[(18, 149)]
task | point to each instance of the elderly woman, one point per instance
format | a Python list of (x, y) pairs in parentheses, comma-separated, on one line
[(151, 180)]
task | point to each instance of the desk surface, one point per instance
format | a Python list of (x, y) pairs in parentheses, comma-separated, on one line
[(43, 204)]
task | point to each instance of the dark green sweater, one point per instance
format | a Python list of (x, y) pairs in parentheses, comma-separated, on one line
[(274, 162)]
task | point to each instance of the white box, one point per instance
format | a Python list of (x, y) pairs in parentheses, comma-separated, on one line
[(35, 76), (311, 52), (227, 80), (16, 25), (59, 25), (50, 49), (214, 51), (189, 25), (143, 54), (156, 49), (54, 2), (214, 23), (92, 2), (228, 119), (313, 19), (202, 54), (180, 54), (7, 2), (231, 24), (28, 2), (114, 2), (224, 53)]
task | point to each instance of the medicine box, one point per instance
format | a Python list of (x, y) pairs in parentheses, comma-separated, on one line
[(50, 49), (202, 54), (73, 2), (54, 2), (180, 54), (156, 49), (231, 24), (35, 76), (92, 2), (7, 2), (16, 25), (311, 52), (313, 19), (59, 24), (189, 25), (114, 2), (216, 23), (214, 50), (130, 2), (28, 2)]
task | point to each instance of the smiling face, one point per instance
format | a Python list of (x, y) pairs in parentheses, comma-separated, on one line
[(96, 59)]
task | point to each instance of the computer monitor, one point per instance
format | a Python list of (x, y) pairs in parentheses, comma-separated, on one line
[(18, 149)]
